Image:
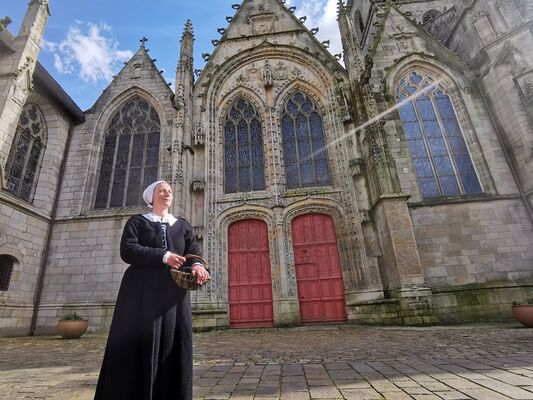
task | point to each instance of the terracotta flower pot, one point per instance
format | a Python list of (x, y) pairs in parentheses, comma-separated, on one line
[(72, 329), (524, 314)]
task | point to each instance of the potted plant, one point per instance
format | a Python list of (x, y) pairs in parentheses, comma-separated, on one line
[(72, 326), (523, 312)]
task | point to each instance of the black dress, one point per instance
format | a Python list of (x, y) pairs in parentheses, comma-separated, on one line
[(149, 349)]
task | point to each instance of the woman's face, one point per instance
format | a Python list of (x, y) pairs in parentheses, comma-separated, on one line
[(162, 196)]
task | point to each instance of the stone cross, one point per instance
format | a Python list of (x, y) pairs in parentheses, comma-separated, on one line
[(143, 41)]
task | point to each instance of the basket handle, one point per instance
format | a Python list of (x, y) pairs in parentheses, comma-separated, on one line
[(196, 257)]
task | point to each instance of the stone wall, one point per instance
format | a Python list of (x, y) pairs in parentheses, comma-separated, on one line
[(24, 226), (83, 272), (475, 254)]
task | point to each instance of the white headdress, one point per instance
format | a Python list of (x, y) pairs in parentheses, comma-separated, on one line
[(148, 194)]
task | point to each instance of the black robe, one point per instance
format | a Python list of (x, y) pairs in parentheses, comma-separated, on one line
[(149, 349)]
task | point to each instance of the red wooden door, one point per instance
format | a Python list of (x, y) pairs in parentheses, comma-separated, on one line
[(318, 272), (249, 277)]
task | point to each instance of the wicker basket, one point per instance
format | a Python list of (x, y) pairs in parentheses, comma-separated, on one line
[(185, 278)]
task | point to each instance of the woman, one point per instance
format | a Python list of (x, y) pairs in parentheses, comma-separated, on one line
[(149, 348)]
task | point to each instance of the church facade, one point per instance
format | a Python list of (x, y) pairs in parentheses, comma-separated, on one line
[(395, 188)]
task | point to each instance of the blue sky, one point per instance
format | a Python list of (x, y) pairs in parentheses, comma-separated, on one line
[(87, 41)]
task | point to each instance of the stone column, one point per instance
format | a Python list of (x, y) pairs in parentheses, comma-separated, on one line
[(401, 262), (285, 298)]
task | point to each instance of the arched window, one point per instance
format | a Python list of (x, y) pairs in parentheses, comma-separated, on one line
[(243, 149), (6, 270), (306, 160), (131, 154), (26, 153), (440, 156)]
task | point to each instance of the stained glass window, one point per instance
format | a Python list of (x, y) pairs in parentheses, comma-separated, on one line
[(26, 153), (440, 156), (244, 165), (130, 158), (306, 160)]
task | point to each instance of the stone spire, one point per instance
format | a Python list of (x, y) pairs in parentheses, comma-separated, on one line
[(183, 122), (16, 71), (353, 54), (187, 30), (187, 42)]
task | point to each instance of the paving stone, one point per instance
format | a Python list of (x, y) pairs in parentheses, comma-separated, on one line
[(349, 362), (452, 395)]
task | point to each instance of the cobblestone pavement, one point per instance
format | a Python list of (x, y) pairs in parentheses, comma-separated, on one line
[(482, 362)]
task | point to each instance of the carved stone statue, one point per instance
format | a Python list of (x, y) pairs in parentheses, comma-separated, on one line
[(268, 78)]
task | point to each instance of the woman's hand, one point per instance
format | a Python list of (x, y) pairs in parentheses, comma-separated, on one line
[(175, 261), (201, 273)]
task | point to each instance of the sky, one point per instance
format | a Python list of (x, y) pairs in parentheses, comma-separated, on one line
[(86, 42)]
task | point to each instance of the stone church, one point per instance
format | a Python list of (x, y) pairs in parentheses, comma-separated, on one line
[(395, 187)]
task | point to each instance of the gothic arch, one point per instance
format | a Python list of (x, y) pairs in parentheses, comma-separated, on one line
[(293, 172), (299, 85), (240, 91), (260, 108), (27, 152), (215, 87), (273, 52), (314, 205), (457, 86), (108, 111), (116, 103), (449, 76)]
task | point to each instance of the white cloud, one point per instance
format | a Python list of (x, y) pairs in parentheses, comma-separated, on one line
[(88, 51), (322, 14)]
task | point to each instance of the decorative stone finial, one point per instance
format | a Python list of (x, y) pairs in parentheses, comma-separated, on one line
[(4, 22), (187, 30)]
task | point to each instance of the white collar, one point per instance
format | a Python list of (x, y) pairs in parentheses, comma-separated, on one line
[(169, 218)]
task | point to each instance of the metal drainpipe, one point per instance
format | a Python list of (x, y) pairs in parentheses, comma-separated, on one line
[(500, 134), (44, 258)]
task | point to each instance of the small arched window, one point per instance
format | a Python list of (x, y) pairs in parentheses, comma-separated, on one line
[(6, 270), (440, 156), (306, 160), (244, 165), (26, 153), (130, 159)]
